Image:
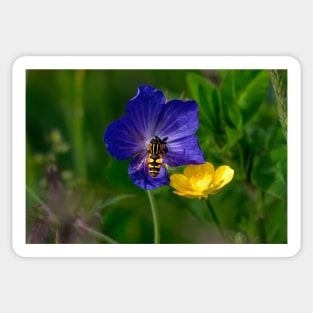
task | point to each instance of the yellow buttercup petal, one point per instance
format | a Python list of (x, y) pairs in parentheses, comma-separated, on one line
[(192, 169), (180, 182), (201, 180), (183, 187), (223, 175), (190, 195)]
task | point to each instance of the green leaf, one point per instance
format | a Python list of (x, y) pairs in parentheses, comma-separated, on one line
[(234, 118), (242, 93), (216, 103), (257, 138), (251, 96), (202, 91), (242, 79), (34, 196), (279, 154), (194, 81), (275, 136), (279, 186), (232, 114), (270, 172), (278, 189), (233, 135), (227, 89), (100, 204), (206, 110), (263, 172)]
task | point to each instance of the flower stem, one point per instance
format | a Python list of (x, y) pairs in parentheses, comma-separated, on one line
[(155, 216), (215, 219)]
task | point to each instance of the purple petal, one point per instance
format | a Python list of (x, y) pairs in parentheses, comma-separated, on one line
[(138, 172), (184, 151), (180, 119), (145, 110), (123, 140)]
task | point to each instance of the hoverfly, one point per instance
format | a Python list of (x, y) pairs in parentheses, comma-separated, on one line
[(156, 150)]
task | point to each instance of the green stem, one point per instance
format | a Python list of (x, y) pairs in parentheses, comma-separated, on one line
[(155, 217), (78, 125), (35, 197), (241, 160), (215, 219), (99, 235)]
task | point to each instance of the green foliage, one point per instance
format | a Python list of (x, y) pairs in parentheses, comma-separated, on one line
[(239, 128), (241, 125)]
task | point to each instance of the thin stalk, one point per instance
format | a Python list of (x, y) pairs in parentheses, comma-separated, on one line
[(155, 217), (99, 235), (30, 177), (241, 160), (215, 219), (280, 88), (78, 125), (35, 196)]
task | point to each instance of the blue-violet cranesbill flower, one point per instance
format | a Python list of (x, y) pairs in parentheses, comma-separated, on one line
[(155, 134)]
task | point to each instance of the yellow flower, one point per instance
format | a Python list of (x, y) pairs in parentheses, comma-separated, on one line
[(201, 180)]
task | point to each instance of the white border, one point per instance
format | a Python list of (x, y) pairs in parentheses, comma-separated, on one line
[(156, 62)]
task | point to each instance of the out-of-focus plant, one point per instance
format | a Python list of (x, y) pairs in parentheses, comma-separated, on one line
[(60, 217)]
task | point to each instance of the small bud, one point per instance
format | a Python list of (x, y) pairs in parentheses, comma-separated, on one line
[(55, 136), (240, 238)]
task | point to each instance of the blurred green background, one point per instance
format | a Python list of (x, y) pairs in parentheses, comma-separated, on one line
[(243, 124)]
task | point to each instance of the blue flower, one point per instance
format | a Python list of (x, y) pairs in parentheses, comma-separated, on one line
[(155, 134)]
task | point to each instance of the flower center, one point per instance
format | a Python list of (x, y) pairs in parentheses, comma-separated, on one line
[(200, 181)]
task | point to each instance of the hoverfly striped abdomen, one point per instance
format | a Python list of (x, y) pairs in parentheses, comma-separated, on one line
[(157, 148)]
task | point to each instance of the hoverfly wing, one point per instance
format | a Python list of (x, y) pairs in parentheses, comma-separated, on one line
[(138, 167)]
